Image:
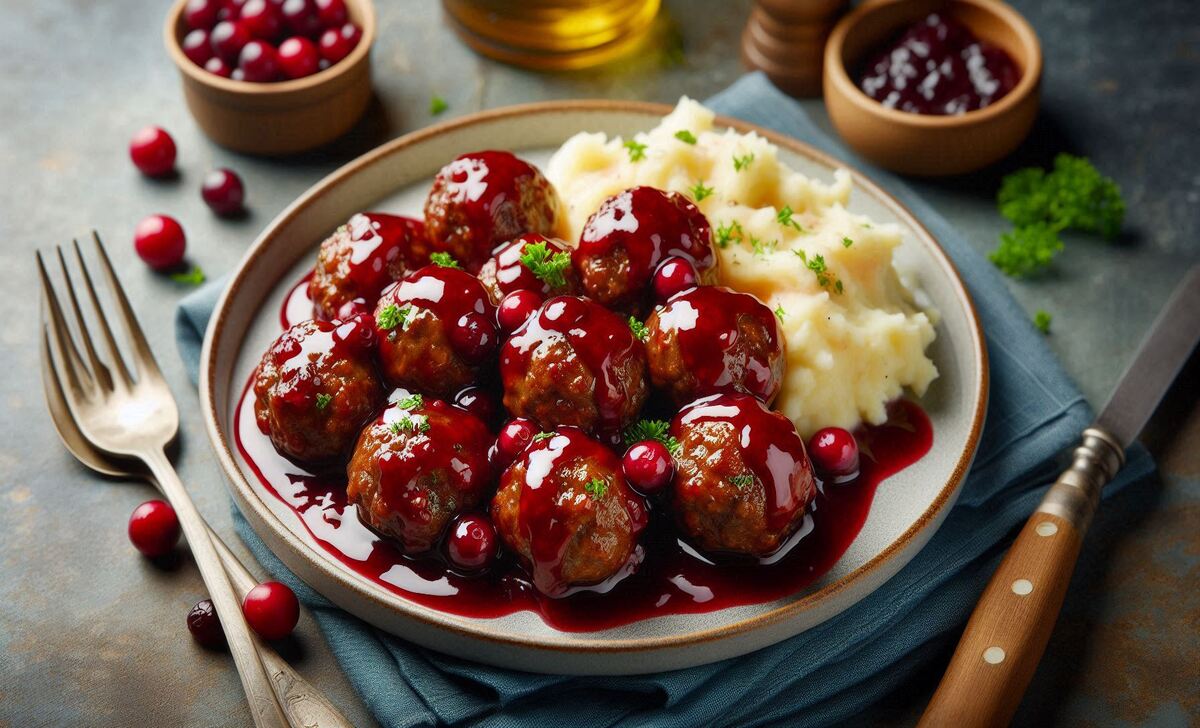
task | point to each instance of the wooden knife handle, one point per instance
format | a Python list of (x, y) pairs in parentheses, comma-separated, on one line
[(1007, 633)]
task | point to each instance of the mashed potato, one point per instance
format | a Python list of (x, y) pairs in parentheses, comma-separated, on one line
[(855, 338)]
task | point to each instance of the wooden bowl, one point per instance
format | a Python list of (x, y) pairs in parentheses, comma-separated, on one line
[(920, 144), (284, 117)]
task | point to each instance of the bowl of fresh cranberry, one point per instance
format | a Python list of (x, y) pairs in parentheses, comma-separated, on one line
[(273, 77)]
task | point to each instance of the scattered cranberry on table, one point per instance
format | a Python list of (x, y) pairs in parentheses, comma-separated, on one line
[(674, 274), (159, 241), (648, 466), (154, 528), (271, 610), (471, 543), (834, 453), (152, 151), (222, 191), (516, 308), (204, 625)]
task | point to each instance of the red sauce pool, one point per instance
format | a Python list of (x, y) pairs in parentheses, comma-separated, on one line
[(673, 578)]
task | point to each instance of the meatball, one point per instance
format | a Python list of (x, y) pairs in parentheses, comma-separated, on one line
[(483, 199), (565, 510), (437, 330), (532, 262), (624, 241), (415, 467), (712, 340), (362, 258), (743, 480), (315, 387), (574, 362)]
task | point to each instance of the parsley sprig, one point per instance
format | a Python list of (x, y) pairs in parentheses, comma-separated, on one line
[(411, 402), (786, 219), (639, 329), (1042, 320), (193, 277), (437, 105), (825, 279), (740, 163), (596, 487), (727, 233), (410, 423), (685, 136), (391, 316), (741, 480), (659, 430), (323, 400), (443, 259), (699, 191), (637, 150), (546, 266), (779, 312)]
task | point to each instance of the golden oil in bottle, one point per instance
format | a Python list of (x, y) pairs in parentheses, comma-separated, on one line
[(552, 34)]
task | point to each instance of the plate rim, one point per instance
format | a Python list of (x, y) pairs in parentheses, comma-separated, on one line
[(933, 515)]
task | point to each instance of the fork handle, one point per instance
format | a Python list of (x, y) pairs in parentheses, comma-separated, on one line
[(264, 706)]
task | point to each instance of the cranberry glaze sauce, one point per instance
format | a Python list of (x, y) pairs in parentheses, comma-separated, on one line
[(673, 578)]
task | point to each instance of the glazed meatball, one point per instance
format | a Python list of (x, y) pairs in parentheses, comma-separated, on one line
[(565, 510), (624, 241), (532, 262), (710, 340), (574, 362), (415, 467), (484, 199), (743, 479), (437, 330), (362, 258), (315, 387)]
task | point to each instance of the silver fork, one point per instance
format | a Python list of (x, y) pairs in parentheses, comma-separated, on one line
[(135, 417)]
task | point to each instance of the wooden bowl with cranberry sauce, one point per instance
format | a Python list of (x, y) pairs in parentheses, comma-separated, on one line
[(286, 115), (939, 143)]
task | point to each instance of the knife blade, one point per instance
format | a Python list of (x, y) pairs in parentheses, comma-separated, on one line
[(1173, 336)]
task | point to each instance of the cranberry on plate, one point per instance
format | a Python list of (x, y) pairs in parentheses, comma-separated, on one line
[(159, 240), (471, 543), (478, 401), (674, 275), (153, 151), (154, 528), (834, 453), (514, 437), (516, 308), (204, 625), (271, 609), (223, 191), (648, 466)]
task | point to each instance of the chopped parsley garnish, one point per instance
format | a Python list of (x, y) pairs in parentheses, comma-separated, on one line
[(699, 191), (411, 423), (411, 402), (596, 487), (761, 248), (323, 401), (637, 150), (779, 312), (1072, 196), (443, 259), (685, 136), (546, 266), (847, 242), (193, 277), (543, 436), (639, 329), (437, 105), (1042, 320), (816, 264), (741, 480), (724, 234), (659, 430), (740, 163), (392, 316), (785, 218)]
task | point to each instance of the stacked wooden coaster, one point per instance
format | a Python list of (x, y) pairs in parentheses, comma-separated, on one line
[(786, 40)]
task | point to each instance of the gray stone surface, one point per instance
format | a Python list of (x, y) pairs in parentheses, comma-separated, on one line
[(93, 634)]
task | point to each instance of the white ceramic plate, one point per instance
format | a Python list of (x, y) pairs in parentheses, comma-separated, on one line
[(907, 509)]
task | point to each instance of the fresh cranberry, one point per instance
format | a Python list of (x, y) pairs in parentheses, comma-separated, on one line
[(336, 43), (516, 308), (300, 17), (262, 19), (259, 62), (471, 544), (675, 274), (232, 8), (516, 434), (357, 332), (353, 308), (271, 610), (159, 240), (332, 13), (154, 528), (201, 14), (478, 401), (474, 336), (648, 466), (237, 74), (834, 453), (218, 67), (204, 625), (228, 37), (222, 191), (196, 47), (152, 151), (298, 57)]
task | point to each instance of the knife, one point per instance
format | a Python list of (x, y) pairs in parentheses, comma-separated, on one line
[(1007, 633)]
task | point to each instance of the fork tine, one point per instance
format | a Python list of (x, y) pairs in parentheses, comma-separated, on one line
[(118, 363), (98, 369), (143, 358), (79, 379)]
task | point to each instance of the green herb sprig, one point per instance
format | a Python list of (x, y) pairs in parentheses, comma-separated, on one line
[(637, 150), (443, 259), (546, 266), (659, 430)]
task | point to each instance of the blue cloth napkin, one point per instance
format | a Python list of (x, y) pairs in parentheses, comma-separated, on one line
[(826, 674)]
